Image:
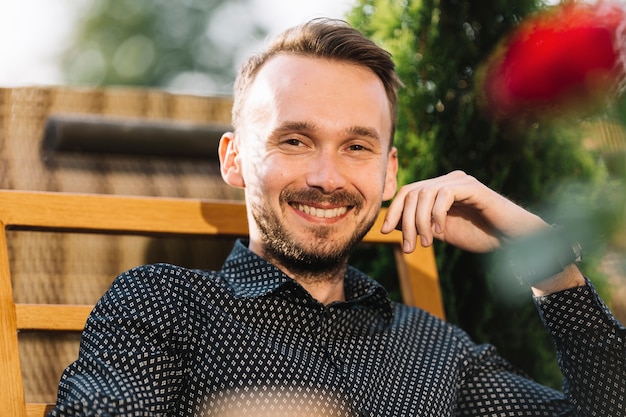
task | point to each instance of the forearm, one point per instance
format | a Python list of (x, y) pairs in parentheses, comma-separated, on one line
[(591, 347)]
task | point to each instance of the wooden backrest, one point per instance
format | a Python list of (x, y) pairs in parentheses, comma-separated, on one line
[(89, 213)]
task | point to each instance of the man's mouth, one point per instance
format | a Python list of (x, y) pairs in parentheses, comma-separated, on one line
[(321, 212)]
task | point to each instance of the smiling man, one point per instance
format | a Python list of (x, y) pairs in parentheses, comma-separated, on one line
[(286, 327), (314, 170)]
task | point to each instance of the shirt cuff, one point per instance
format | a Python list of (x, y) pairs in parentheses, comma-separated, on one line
[(576, 310)]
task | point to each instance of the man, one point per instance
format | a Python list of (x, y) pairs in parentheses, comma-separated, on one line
[(286, 326)]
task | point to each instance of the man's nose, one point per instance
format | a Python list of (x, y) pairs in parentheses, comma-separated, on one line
[(326, 172)]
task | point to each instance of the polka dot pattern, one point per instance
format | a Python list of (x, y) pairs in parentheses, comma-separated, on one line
[(592, 351), (248, 340)]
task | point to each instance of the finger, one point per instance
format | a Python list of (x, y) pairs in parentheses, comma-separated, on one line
[(393, 217), (409, 229), (441, 207), (424, 216)]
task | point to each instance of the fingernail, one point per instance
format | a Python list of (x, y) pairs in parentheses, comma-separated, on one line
[(424, 241), (406, 246)]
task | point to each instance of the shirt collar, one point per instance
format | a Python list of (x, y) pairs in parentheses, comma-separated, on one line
[(251, 276)]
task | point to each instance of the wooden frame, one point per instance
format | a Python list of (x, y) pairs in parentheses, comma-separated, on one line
[(28, 210)]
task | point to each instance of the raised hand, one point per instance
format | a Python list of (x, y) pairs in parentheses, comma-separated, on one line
[(458, 209)]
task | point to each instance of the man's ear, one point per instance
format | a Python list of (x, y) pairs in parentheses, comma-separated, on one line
[(230, 161), (391, 176)]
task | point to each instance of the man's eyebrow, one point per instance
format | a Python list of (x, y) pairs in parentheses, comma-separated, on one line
[(309, 127), (364, 132), (291, 127)]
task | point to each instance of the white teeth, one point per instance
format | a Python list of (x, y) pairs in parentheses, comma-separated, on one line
[(322, 213)]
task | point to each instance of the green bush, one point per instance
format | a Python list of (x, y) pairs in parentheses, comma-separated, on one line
[(438, 47)]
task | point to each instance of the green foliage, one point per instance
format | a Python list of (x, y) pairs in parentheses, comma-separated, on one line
[(164, 43), (438, 46)]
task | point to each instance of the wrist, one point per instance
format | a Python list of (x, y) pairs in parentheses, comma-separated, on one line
[(540, 256), (570, 277)]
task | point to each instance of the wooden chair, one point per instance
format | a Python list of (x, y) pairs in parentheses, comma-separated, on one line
[(47, 211)]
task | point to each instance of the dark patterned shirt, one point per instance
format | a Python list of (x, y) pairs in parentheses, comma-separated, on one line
[(248, 340)]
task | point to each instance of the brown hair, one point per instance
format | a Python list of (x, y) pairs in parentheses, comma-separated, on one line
[(322, 38)]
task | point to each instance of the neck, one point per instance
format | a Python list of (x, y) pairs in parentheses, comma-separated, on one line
[(323, 287), (326, 294)]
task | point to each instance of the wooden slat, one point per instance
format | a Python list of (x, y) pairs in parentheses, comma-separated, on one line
[(38, 409), (52, 316), (419, 280), (11, 393), (90, 212)]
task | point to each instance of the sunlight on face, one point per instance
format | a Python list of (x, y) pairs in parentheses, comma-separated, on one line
[(316, 170)]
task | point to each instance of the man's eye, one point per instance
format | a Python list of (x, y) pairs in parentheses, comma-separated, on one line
[(357, 147), (293, 142)]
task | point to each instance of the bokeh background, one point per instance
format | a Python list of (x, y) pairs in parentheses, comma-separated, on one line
[(36, 35)]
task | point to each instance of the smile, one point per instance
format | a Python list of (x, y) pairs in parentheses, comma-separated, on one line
[(322, 213)]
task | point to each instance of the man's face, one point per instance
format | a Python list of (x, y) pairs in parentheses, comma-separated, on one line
[(314, 158)]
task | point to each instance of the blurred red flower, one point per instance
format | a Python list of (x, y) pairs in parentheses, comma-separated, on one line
[(565, 59)]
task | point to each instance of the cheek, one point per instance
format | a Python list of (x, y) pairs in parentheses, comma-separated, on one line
[(265, 176), (274, 167), (370, 183), (253, 164), (376, 189)]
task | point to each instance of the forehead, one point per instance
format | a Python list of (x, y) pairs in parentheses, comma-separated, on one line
[(298, 88)]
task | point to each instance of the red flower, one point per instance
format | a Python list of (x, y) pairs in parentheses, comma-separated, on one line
[(566, 58)]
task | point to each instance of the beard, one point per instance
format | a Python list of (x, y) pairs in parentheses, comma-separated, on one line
[(312, 258)]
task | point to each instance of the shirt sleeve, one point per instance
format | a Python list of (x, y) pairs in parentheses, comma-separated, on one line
[(591, 350), (130, 358), (492, 386)]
